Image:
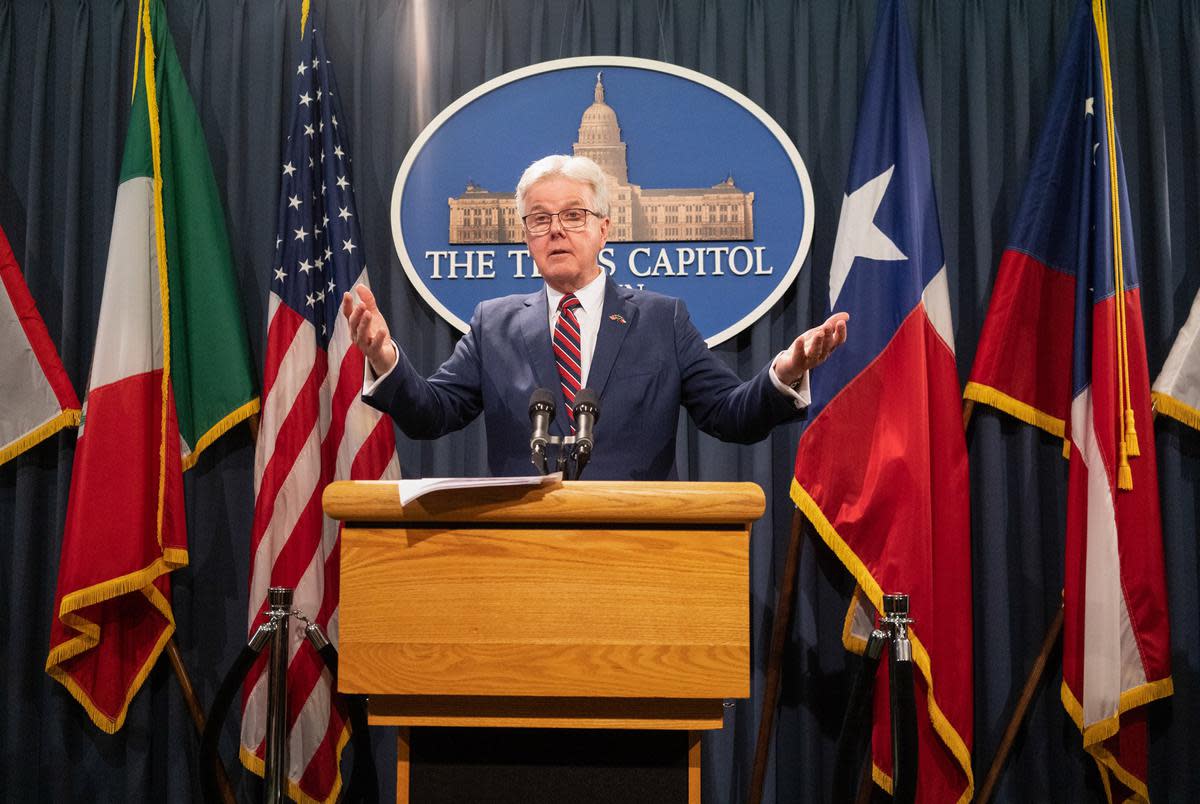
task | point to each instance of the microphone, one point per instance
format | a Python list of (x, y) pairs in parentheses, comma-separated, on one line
[(587, 413), (541, 413)]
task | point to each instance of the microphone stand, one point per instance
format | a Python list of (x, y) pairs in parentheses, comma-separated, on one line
[(541, 411), (567, 460)]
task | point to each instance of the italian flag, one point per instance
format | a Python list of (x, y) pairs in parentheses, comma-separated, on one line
[(36, 397), (171, 372)]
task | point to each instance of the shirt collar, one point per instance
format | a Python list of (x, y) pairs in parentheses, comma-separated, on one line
[(591, 295)]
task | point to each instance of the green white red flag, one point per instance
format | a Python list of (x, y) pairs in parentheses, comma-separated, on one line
[(36, 397), (170, 373)]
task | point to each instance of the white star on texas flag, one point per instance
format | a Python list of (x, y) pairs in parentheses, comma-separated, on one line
[(857, 234)]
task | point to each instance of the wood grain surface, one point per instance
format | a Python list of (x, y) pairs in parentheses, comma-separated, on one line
[(580, 612), (546, 713), (580, 500)]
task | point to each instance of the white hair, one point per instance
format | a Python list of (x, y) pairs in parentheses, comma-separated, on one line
[(577, 168)]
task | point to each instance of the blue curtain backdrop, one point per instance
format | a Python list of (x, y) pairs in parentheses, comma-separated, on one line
[(985, 67)]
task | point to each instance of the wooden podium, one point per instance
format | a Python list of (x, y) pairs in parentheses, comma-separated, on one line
[(597, 605)]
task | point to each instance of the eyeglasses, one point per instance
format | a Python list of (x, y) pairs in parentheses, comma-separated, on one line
[(538, 223)]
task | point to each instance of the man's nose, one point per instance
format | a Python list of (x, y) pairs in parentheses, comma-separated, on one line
[(556, 226)]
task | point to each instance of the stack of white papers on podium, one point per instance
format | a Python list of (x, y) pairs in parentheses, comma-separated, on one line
[(412, 489)]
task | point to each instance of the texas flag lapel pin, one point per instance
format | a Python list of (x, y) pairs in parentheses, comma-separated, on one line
[(620, 319)]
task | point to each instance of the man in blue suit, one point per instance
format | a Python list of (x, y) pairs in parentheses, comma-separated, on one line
[(637, 350)]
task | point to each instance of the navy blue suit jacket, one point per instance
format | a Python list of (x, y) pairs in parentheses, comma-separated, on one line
[(649, 360)]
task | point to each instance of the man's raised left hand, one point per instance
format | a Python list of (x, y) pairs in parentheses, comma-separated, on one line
[(811, 349)]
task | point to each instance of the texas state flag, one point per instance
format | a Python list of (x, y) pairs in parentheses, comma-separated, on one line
[(881, 470), (1063, 348)]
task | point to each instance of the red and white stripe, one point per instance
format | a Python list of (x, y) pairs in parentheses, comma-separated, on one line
[(1116, 636), (314, 430)]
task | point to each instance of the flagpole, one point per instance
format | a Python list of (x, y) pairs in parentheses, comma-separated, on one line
[(1049, 641), (1018, 717), (193, 705), (779, 629)]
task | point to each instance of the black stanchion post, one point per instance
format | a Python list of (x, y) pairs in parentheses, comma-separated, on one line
[(364, 786), (856, 725), (903, 705), (275, 775)]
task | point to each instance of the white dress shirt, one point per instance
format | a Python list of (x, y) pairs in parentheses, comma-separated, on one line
[(588, 314)]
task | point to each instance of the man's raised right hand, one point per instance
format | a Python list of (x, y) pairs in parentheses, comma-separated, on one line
[(368, 329)]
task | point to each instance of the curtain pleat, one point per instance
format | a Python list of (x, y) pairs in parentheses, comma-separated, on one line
[(986, 69)]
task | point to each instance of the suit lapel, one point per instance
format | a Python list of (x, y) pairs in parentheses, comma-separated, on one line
[(536, 333), (617, 316)]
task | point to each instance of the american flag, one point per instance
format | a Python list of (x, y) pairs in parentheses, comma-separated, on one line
[(314, 428)]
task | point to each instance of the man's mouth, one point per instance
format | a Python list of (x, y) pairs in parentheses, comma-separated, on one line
[(557, 251)]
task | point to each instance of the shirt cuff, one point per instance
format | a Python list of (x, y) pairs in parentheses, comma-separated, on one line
[(371, 381), (799, 392)]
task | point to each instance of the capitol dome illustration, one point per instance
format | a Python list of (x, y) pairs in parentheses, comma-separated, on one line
[(720, 212)]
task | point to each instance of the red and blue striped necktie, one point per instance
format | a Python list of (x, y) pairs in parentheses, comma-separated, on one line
[(567, 352)]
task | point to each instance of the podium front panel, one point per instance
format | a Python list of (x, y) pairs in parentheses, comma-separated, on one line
[(545, 610)]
